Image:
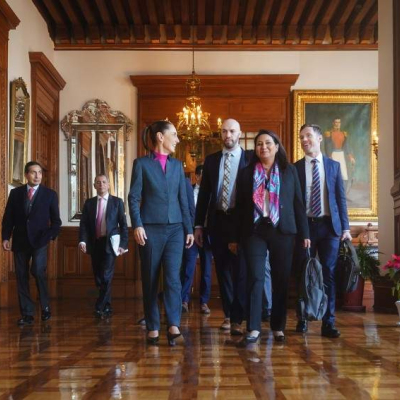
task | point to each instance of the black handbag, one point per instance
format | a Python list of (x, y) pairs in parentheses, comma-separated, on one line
[(348, 267)]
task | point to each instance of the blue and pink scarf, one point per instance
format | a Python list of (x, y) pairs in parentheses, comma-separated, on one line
[(260, 183)]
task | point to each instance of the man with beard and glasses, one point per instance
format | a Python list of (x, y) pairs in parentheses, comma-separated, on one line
[(216, 203)]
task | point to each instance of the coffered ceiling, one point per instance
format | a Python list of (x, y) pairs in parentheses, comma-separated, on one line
[(218, 24)]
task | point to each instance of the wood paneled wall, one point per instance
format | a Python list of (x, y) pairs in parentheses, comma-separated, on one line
[(75, 277), (256, 101), (8, 21), (396, 133)]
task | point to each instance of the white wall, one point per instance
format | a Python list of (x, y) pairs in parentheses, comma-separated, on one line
[(30, 35), (385, 165), (105, 75)]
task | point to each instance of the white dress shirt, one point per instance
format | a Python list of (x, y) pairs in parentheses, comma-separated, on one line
[(196, 193), (324, 191)]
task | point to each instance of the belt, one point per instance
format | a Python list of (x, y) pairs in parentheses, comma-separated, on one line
[(319, 219), (229, 211)]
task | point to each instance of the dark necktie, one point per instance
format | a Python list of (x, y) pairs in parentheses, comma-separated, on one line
[(315, 190)]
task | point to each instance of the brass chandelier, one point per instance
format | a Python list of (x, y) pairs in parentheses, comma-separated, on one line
[(193, 123)]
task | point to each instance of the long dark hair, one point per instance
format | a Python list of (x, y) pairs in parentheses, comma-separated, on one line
[(150, 132), (280, 156)]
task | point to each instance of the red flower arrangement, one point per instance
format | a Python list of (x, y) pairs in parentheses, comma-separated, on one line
[(393, 268)]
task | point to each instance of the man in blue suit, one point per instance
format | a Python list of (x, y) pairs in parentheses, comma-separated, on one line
[(102, 217), (32, 218), (190, 255), (216, 203), (325, 199)]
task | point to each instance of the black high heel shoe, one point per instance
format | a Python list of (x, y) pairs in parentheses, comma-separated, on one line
[(171, 337), (153, 339), (279, 338)]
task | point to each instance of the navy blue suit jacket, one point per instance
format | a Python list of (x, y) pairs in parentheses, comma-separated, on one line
[(156, 197), (115, 223), (35, 227), (335, 189), (207, 201), (292, 212)]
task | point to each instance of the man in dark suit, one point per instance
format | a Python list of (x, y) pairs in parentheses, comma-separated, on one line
[(32, 218), (103, 216), (216, 201), (325, 199), (190, 255)]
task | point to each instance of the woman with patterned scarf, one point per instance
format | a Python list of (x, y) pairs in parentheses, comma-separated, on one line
[(271, 213)]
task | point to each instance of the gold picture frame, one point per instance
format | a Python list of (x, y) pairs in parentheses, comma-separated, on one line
[(19, 131), (349, 122)]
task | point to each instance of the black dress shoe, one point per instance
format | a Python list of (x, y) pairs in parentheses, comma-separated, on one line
[(266, 315), (280, 338), (329, 330), (302, 326), (25, 320), (46, 314), (107, 313)]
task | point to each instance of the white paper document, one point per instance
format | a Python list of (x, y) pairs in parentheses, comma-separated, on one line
[(115, 240)]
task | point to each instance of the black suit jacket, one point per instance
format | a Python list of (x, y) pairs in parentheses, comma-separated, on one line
[(115, 223), (292, 212), (335, 190), (34, 225), (207, 201)]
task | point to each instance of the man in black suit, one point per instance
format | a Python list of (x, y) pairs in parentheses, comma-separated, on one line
[(325, 199), (103, 216), (190, 255), (32, 218), (216, 201)]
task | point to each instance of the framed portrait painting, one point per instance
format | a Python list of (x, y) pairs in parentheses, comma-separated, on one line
[(349, 123)]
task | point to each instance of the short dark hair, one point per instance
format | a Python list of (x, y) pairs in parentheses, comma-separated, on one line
[(31, 164), (316, 128), (151, 132), (199, 169), (280, 156), (105, 176)]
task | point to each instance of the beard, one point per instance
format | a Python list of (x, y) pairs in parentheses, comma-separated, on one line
[(230, 144)]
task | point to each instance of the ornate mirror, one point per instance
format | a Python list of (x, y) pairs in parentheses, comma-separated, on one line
[(96, 138), (19, 131)]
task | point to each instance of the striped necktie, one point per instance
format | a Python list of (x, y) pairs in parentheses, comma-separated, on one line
[(315, 190), (226, 181)]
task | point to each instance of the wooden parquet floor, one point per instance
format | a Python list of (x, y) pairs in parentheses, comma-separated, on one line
[(75, 356)]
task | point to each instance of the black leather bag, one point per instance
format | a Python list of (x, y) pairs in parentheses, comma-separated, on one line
[(348, 267), (313, 300)]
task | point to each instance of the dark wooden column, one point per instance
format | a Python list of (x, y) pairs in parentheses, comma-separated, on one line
[(396, 127), (8, 21)]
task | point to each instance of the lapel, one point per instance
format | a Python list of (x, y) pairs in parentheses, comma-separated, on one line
[(109, 209), (328, 172), (169, 170), (302, 177), (93, 210), (242, 162), (215, 170)]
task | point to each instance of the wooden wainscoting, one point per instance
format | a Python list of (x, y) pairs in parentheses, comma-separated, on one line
[(74, 270)]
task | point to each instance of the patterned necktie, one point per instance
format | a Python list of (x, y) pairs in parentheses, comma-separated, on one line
[(99, 218), (31, 192), (226, 181), (315, 190)]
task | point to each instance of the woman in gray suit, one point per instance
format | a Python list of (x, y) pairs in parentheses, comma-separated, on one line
[(161, 222)]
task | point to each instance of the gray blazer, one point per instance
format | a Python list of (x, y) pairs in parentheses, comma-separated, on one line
[(156, 197)]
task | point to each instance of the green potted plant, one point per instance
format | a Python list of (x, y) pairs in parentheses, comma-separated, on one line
[(369, 263)]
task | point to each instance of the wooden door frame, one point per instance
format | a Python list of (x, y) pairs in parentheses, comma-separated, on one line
[(46, 84)]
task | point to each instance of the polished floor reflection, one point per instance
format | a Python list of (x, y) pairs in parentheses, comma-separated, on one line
[(75, 356)]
